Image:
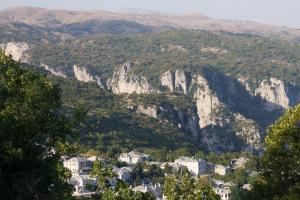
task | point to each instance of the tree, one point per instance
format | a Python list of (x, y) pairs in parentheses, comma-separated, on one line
[(186, 188), (103, 174), (33, 132), (171, 188), (238, 193), (280, 169), (204, 191)]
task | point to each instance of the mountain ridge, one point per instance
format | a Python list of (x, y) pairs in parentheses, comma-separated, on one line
[(55, 18)]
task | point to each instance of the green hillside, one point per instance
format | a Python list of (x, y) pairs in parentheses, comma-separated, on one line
[(110, 128)]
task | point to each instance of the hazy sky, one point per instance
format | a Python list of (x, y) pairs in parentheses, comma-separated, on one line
[(280, 12)]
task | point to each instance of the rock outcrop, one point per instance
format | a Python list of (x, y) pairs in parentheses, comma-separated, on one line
[(176, 82), (168, 80), (186, 119), (82, 74), (16, 50), (151, 111), (182, 81), (54, 71), (124, 82), (277, 94), (207, 102), (247, 129)]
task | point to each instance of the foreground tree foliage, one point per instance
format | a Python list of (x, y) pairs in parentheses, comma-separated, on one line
[(120, 192), (33, 134), (280, 165), (188, 189)]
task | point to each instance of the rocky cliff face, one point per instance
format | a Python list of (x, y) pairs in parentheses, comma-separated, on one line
[(54, 71), (82, 74), (183, 118), (176, 82), (222, 104), (277, 95), (124, 82), (247, 129), (218, 100), (207, 102), (151, 111), (16, 50)]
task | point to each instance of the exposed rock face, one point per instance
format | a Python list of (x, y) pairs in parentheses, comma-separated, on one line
[(178, 81), (193, 126), (82, 74), (151, 111), (206, 102), (54, 71), (186, 119), (16, 50), (247, 129), (243, 81), (277, 94), (182, 81), (168, 80), (123, 82), (217, 98)]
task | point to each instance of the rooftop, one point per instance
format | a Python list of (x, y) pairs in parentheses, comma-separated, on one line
[(186, 159)]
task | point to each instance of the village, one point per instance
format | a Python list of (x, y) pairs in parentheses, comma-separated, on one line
[(85, 185)]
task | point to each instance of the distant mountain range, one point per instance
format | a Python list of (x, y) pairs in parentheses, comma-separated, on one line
[(66, 20)]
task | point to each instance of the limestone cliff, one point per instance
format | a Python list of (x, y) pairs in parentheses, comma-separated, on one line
[(207, 102), (54, 71), (82, 74), (277, 94), (168, 80), (151, 111), (178, 81), (247, 129), (16, 50), (183, 118), (124, 82)]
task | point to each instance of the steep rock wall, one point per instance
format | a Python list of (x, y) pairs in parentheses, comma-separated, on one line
[(207, 102), (277, 94), (124, 82), (54, 71), (16, 50), (176, 82), (82, 74)]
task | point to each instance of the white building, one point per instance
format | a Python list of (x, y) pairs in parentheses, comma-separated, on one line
[(222, 170), (78, 164), (224, 194), (83, 184), (154, 189), (123, 173), (223, 189), (195, 166), (133, 157)]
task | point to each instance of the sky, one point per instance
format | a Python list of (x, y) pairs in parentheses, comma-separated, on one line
[(277, 12)]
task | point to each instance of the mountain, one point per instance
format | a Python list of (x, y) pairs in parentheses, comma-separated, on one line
[(158, 86), (59, 18)]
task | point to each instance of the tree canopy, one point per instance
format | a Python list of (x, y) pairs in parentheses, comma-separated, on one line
[(33, 133), (280, 165)]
